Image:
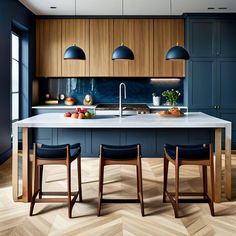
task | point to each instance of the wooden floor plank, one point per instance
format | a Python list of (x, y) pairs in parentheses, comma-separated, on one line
[(116, 219)]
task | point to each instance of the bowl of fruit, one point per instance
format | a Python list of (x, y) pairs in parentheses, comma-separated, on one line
[(172, 112), (79, 113)]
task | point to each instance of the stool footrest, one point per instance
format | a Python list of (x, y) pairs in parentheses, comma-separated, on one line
[(188, 193), (106, 200), (58, 193), (43, 200), (171, 196)]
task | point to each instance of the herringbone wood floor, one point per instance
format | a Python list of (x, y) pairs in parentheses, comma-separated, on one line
[(117, 219)]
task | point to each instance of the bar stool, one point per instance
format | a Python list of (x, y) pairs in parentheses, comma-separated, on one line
[(56, 155), (120, 155), (188, 155)]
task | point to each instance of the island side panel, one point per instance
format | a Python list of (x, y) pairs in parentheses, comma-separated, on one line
[(151, 139)]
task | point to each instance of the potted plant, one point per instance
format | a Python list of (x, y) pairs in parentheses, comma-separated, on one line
[(171, 96), (156, 99)]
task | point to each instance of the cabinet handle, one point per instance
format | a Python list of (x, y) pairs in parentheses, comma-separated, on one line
[(215, 107), (218, 107)]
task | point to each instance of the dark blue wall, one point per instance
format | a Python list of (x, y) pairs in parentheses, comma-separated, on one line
[(106, 90), (13, 14)]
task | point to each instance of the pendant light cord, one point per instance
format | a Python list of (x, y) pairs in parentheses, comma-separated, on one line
[(123, 24), (177, 43), (74, 22)]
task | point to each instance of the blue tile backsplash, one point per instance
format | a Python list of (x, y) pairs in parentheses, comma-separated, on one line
[(106, 90)]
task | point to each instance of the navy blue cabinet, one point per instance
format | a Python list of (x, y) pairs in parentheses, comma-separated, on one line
[(211, 82)]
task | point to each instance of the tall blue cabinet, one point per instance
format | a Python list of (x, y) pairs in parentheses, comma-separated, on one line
[(210, 84)]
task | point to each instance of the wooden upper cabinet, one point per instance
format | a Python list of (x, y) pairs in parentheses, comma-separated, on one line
[(48, 48), (101, 47), (75, 31), (137, 34), (167, 33)]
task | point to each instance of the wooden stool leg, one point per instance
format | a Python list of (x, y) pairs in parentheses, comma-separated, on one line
[(140, 183), (36, 188), (69, 189), (176, 208), (79, 178), (40, 181), (100, 186), (211, 203), (166, 166), (137, 176), (204, 178)]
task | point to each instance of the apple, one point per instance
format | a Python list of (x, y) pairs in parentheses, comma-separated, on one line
[(88, 115), (67, 114), (81, 115), (78, 109), (75, 115), (83, 110)]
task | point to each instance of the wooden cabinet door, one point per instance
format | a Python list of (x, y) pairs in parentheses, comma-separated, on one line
[(75, 31), (167, 33), (101, 47), (137, 34), (48, 48)]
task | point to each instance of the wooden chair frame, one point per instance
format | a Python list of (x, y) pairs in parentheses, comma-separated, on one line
[(174, 197), (137, 162), (38, 175)]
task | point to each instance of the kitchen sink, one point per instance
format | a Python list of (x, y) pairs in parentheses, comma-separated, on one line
[(128, 108)]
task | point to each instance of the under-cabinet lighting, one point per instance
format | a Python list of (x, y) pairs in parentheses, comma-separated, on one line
[(53, 7), (165, 79)]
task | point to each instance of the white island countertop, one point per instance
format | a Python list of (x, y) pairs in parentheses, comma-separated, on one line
[(190, 120)]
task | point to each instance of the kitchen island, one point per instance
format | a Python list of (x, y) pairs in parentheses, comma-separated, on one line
[(142, 123)]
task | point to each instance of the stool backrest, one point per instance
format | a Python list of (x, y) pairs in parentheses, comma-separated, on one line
[(125, 152), (50, 152)]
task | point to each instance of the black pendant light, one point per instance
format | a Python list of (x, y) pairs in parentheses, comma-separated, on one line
[(74, 52), (122, 52), (177, 52)]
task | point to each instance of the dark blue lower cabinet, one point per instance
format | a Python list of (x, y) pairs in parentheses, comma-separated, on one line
[(151, 140)]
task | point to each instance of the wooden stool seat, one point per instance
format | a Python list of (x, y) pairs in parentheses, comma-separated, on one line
[(120, 155), (56, 155), (188, 155)]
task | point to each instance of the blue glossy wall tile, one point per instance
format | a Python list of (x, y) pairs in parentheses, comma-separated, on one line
[(106, 90)]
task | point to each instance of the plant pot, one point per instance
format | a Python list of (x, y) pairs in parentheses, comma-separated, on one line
[(156, 100)]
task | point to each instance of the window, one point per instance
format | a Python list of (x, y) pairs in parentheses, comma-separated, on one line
[(15, 77)]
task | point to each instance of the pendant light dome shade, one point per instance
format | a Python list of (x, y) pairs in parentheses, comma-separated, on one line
[(177, 53), (122, 52), (74, 52)]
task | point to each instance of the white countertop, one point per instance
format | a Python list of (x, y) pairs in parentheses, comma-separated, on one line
[(52, 107), (190, 120)]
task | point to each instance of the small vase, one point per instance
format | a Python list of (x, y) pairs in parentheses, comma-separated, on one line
[(171, 103)]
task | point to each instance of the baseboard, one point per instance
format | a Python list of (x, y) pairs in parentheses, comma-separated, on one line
[(5, 155)]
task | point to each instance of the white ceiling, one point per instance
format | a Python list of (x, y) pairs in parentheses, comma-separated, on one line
[(131, 7)]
